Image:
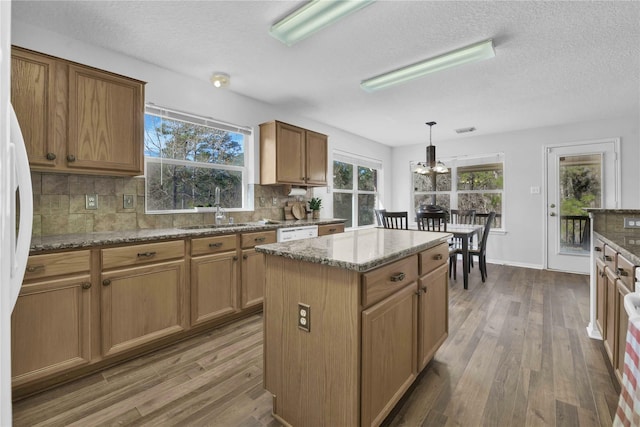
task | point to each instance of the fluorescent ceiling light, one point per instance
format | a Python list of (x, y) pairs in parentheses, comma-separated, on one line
[(472, 53), (312, 17)]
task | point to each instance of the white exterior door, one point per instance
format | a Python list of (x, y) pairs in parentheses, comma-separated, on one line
[(578, 175)]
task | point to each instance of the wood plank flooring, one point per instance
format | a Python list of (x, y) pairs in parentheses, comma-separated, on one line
[(517, 355)]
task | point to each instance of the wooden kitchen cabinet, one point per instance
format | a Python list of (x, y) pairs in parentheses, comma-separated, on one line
[(326, 229), (292, 155), (252, 270), (611, 314), (622, 319), (51, 321), (601, 297), (77, 119), (433, 323), (214, 278), (143, 295)]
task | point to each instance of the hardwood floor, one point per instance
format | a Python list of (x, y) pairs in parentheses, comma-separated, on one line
[(517, 355)]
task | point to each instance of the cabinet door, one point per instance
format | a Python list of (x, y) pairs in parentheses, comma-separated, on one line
[(601, 298), (253, 274), (622, 326), (50, 328), (141, 304), (33, 97), (610, 313), (389, 350), (433, 314), (290, 154), (106, 115), (214, 281), (316, 158)]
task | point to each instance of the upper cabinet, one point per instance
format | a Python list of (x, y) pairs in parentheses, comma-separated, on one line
[(76, 118), (292, 155)]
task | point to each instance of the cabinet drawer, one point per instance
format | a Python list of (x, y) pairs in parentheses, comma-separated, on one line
[(142, 254), (433, 257), (210, 245), (627, 272), (250, 240), (39, 266), (384, 281), (610, 257), (326, 229)]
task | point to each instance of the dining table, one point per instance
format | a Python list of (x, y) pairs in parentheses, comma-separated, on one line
[(464, 233)]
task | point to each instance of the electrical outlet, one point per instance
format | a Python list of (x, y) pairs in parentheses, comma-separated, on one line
[(127, 201), (91, 201), (304, 317), (274, 201), (632, 223)]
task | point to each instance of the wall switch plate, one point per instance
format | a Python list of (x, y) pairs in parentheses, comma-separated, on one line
[(127, 201), (304, 317), (632, 223), (274, 201), (91, 201)]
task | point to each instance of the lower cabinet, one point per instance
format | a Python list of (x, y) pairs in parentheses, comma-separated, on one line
[(143, 303), (610, 316), (623, 324), (51, 321), (252, 278), (601, 296), (433, 323)]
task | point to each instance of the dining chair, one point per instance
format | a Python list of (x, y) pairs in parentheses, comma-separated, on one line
[(463, 216), (397, 220), (481, 250), (379, 218), (431, 221)]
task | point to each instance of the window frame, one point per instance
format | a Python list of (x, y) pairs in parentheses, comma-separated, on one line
[(457, 162), (356, 161), (199, 120)]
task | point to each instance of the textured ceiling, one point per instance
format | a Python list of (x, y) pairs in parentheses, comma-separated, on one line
[(556, 61)]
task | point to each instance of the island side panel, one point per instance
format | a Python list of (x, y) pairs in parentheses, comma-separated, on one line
[(314, 376)]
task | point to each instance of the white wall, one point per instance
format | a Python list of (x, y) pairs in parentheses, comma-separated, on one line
[(169, 89), (523, 242)]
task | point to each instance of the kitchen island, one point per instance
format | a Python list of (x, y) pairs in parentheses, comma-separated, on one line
[(350, 322)]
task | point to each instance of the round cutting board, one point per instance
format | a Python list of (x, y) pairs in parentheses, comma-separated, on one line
[(298, 211)]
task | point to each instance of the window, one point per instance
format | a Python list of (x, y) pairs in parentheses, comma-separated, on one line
[(355, 189), (471, 183), (187, 157)]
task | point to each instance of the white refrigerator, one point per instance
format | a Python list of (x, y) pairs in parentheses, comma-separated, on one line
[(15, 191)]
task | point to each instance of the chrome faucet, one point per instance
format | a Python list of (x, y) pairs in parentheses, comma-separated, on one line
[(219, 213)]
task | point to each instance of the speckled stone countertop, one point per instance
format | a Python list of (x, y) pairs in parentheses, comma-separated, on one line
[(358, 250), (88, 240)]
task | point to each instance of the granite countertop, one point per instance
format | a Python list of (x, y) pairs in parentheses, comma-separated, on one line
[(358, 250), (88, 240), (628, 244)]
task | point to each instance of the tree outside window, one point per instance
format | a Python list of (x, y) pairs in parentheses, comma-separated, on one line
[(187, 158), (355, 190)]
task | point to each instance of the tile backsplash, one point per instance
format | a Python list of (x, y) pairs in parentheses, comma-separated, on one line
[(59, 205)]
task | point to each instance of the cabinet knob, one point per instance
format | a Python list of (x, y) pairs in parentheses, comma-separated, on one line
[(244, 257), (35, 268), (621, 272), (71, 158), (424, 289), (235, 258), (86, 285), (597, 249), (608, 258), (106, 282), (146, 254), (437, 257), (259, 239), (398, 277), (51, 156)]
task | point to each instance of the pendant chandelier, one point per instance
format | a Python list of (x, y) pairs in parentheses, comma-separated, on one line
[(431, 165)]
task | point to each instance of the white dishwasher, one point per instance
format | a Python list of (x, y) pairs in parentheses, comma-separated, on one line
[(296, 233)]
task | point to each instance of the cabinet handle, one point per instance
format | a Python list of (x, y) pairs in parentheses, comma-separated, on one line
[(621, 272), (235, 258), (244, 257), (398, 277), (437, 257), (35, 268), (597, 249), (86, 285), (608, 258), (332, 230), (71, 158), (51, 156), (215, 245), (146, 254), (601, 273), (259, 239), (424, 289), (106, 282)]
